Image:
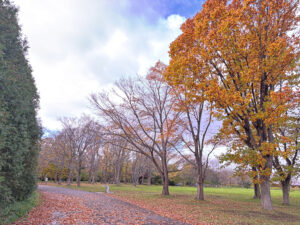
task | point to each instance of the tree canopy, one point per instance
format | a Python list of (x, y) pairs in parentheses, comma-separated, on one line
[(243, 55)]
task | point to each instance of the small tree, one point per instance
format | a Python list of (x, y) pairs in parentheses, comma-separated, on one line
[(196, 119), (139, 167), (81, 134), (286, 162)]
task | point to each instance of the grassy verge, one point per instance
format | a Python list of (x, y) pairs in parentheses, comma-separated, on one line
[(17, 210), (222, 205)]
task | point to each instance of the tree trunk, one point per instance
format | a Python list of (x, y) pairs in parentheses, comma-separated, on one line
[(149, 179), (124, 176), (200, 178), (78, 174), (56, 173), (266, 201), (90, 176), (285, 191), (117, 178), (142, 180), (200, 191), (91, 179), (78, 178), (60, 180), (69, 179), (164, 173), (165, 178), (257, 194), (62, 165), (117, 173), (70, 176), (92, 168), (165, 190), (60, 174), (134, 182), (105, 176)]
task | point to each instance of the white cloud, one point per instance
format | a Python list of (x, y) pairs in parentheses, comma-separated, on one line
[(116, 44), (79, 47), (174, 21)]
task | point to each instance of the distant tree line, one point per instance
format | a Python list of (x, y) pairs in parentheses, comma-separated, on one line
[(137, 170)]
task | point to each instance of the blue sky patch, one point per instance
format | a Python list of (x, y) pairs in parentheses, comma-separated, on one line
[(154, 9)]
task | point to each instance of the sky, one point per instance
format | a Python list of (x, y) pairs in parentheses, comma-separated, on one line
[(81, 47)]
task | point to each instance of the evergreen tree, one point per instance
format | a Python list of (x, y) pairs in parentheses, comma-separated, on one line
[(19, 128)]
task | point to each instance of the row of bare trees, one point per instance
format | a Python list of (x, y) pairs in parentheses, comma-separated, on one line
[(68, 149), (82, 146), (143, 121)]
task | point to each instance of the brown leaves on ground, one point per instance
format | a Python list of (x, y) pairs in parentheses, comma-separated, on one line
[(58, 209), (214, 210), (168, 207), (67, 206)]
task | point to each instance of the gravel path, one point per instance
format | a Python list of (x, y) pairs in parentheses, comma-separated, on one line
[(101, 209)]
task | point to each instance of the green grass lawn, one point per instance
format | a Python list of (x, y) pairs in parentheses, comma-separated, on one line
[(17, 210), (224, 205)]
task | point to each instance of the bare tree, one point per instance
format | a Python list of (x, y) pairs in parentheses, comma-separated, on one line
[(63, 145), (106, 164), (67, 124), (139, 167), (149, 170), (144, 117), (48, 155), (286, 163), (93, 161), (93, 152), (54, 151), (119, 155), (196, 121), (81, 134)]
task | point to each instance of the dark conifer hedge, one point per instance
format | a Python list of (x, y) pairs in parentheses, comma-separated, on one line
[(19, 129)]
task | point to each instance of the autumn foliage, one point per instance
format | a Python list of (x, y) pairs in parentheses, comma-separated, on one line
[(243, 55)]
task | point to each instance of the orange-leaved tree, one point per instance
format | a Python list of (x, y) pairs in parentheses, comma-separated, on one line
[(239, 53)]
